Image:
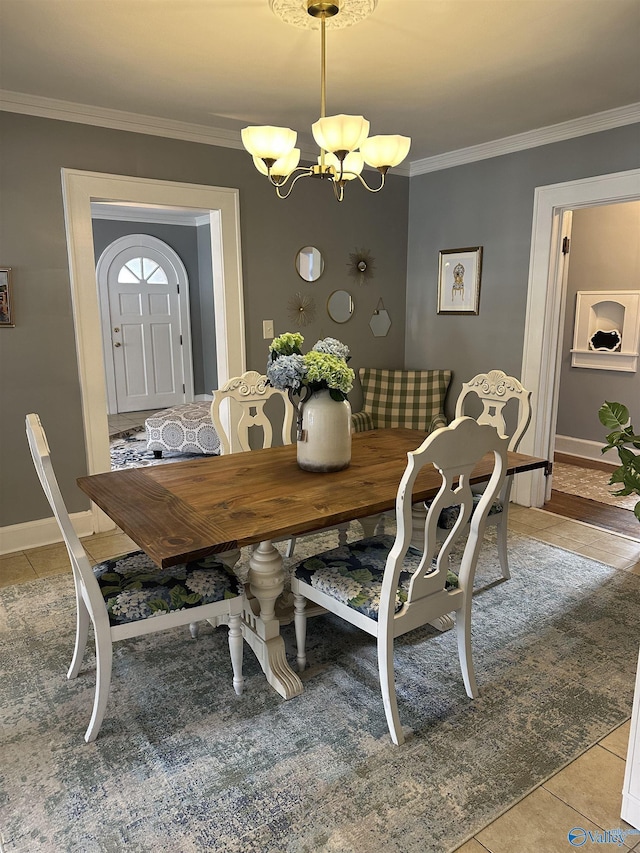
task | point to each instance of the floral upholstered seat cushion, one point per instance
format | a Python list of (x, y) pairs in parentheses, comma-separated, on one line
[(133, 587), (449, 515), (353, 574)]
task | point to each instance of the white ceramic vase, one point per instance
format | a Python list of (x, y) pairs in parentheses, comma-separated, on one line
[(325, 441)]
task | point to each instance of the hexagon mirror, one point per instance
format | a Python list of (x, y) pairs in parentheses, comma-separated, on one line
[(380, 321), (309, 263)]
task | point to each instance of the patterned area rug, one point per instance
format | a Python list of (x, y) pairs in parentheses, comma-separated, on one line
[(589, 483), (130, 451), (182, 764)]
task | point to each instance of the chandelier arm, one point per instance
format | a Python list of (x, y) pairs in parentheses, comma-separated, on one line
[(273, 183), (338, 190), (371, 189), (306, 173)]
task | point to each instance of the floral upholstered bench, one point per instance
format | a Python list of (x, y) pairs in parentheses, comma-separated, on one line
[(184, 429)]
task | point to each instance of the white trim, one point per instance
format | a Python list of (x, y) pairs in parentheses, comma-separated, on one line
[(79, 188), (606, 120), (44, 531), (150, 215), (545, 302), (582, 447), (36, 105)]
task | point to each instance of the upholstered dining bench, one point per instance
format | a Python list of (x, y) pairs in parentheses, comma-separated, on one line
[(186, 428)]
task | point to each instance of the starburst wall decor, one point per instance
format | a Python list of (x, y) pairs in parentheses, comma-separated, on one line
[(361, 265), (302, 309)]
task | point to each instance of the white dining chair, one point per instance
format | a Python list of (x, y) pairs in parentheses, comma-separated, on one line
[(496, 393), (387, 587), (129, 596)]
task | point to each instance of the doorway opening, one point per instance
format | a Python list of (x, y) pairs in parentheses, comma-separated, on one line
[(80, 189), (545, 309)]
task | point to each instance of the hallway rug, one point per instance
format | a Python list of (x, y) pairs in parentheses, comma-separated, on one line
[(183, 764), (589, 483), (130, 451)]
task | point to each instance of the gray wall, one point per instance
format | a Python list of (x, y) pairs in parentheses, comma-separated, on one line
[(188, 244), (490, 204), (605, 255), (38, 366)]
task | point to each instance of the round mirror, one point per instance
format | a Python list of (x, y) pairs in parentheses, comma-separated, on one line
[(340, 306), (309, 263)]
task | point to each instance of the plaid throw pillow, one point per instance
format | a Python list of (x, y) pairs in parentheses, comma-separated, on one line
[(405, 398)]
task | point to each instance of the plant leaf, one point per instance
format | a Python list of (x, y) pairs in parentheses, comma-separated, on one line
[(613, 415)]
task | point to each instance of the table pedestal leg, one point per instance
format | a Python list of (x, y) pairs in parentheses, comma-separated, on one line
[(262, 628)]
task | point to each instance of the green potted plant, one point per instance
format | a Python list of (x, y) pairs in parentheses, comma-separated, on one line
[(615, 416)]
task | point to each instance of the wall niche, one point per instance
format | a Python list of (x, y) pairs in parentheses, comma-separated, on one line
[(607, 330)]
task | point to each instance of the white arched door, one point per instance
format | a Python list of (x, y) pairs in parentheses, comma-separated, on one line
[(144, 303)]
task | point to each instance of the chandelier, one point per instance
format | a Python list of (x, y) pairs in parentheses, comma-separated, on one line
[(344, 143)]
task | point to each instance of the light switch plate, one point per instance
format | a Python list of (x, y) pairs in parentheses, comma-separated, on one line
[(267, 329)]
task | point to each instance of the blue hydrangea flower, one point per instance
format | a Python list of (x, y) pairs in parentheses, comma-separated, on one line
[(287, 371), (333, 347)]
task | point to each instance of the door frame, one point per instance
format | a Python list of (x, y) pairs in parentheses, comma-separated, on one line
[(545, 306), (79, 189), (106, 259)]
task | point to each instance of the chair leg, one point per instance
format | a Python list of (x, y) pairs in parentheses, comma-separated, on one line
[(104, 659), (388, 688), (501, 537), (300, 621), (82, 633), (236, 648), (194, 629), (291, 544), (463, 632), (342, 534)]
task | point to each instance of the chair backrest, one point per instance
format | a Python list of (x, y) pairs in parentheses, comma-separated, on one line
[(455, 451), (250, 392), (405, 398), (82, 571), (494, 390)]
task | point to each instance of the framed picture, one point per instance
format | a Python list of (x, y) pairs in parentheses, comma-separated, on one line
[(459, 275), (6, 300)]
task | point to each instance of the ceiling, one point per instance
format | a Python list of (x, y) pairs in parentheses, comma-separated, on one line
[(449, 73)]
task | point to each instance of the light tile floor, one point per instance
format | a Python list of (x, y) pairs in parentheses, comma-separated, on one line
[(586, 793), (126, 421)]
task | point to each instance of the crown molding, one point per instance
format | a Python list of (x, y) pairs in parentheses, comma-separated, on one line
[(34, 105), (134, 123), (607, 120)]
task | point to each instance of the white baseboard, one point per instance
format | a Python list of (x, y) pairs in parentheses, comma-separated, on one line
[(203, 398), (630, 810), (44, 531), (583, 447)]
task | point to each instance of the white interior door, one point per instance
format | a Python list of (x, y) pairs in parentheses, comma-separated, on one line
[(144, 297)]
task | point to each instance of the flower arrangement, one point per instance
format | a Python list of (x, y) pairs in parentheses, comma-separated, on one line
[(325, 367)]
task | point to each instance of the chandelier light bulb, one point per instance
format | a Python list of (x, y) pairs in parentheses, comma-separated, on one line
[(282, 167), (267, 142), (385, 151), (340, 133), (352, 165)]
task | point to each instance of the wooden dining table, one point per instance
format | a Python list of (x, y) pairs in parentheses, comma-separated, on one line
[(215, 505)]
